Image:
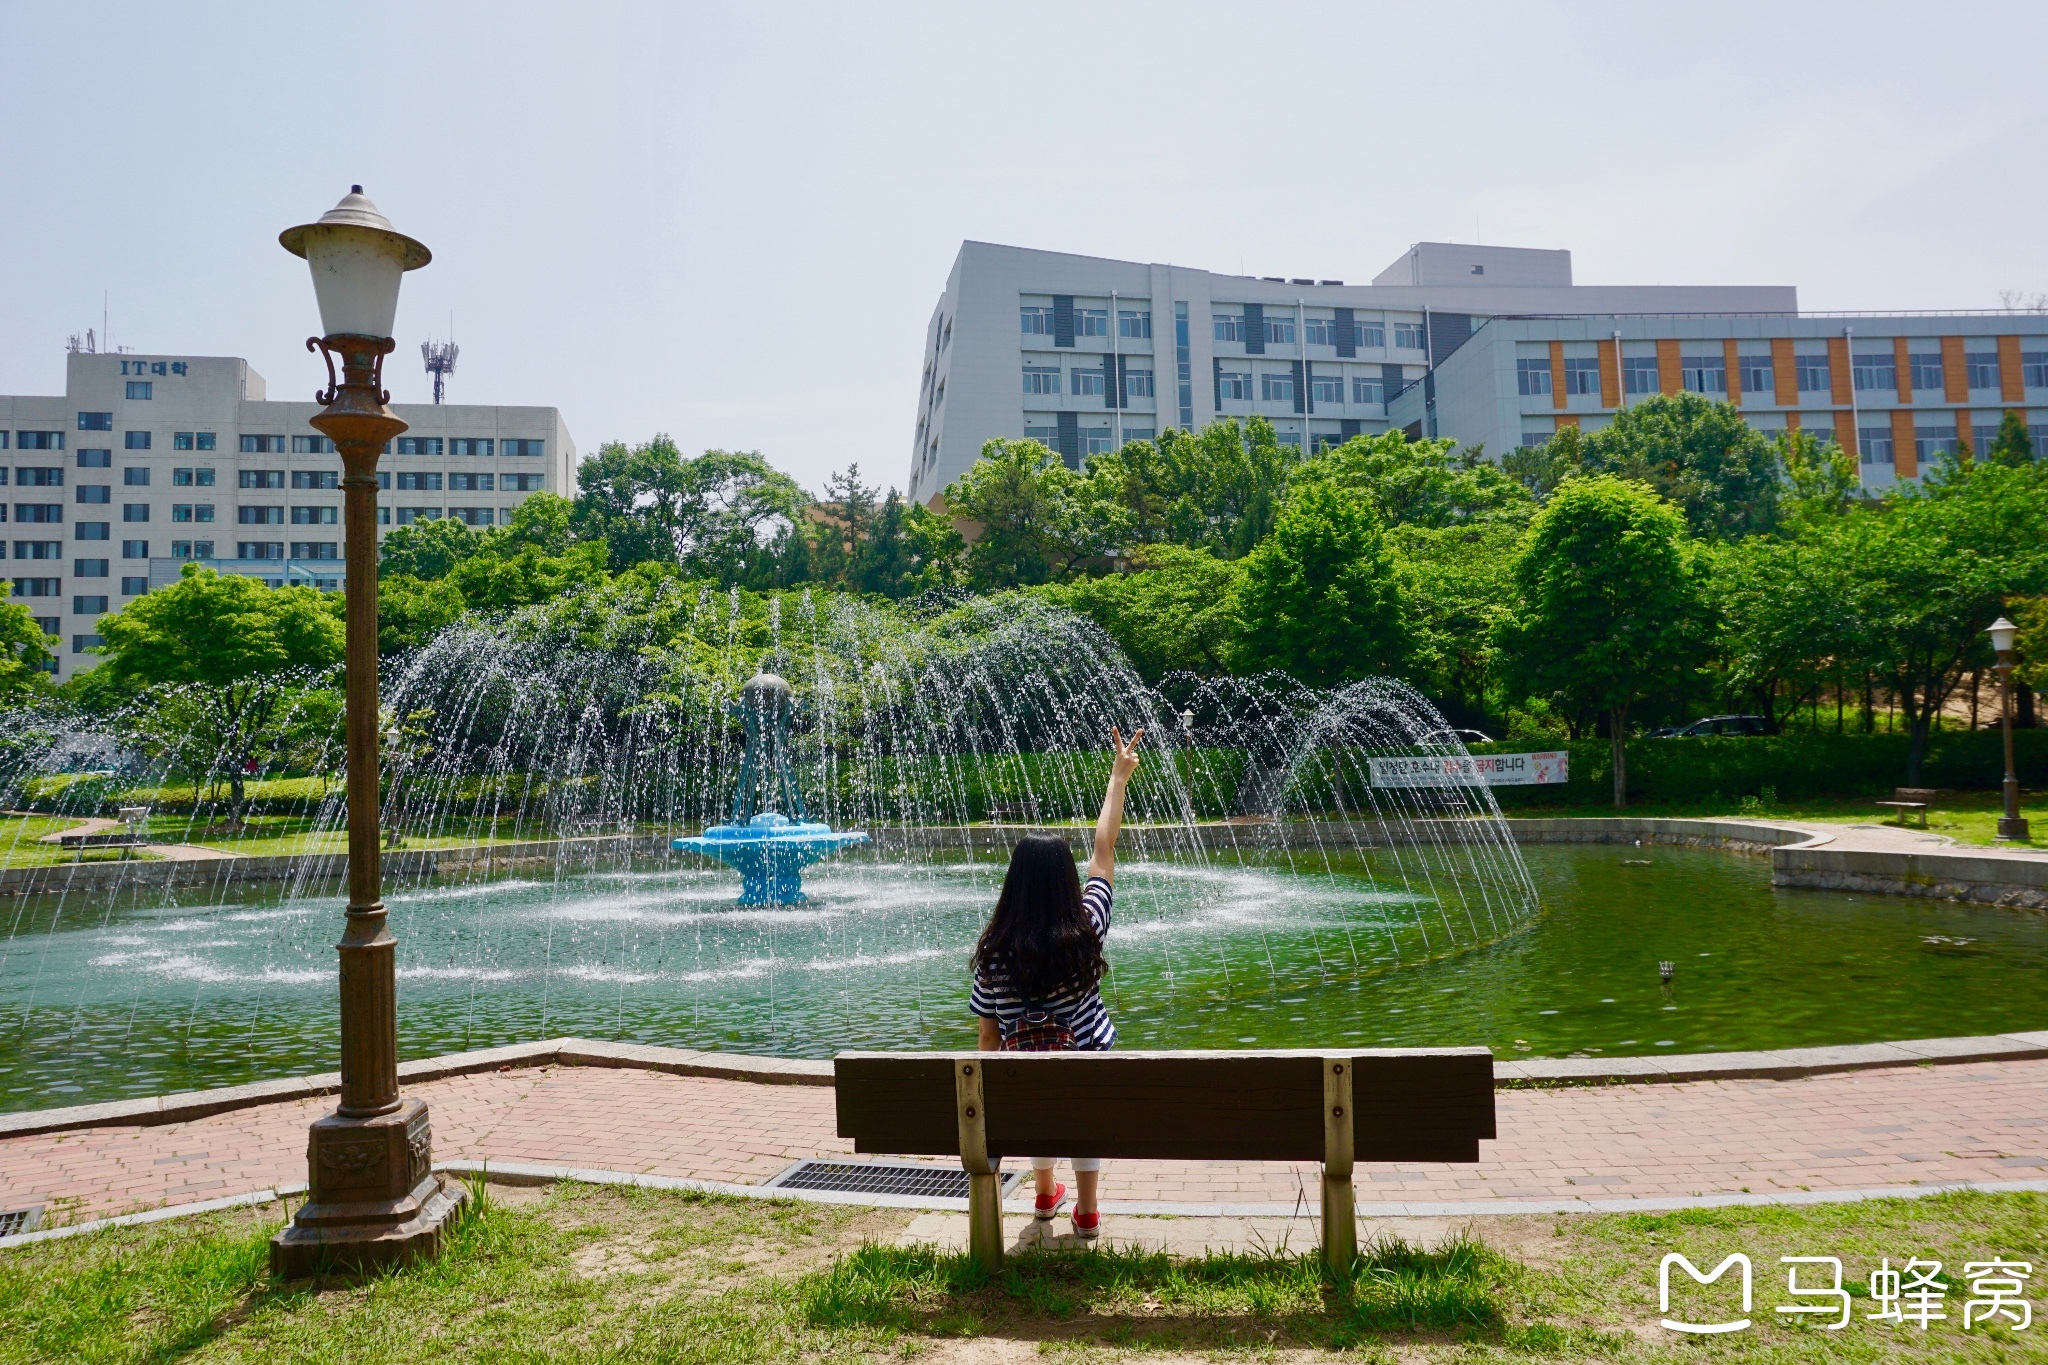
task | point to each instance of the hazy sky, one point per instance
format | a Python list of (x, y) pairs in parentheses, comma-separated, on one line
[(730, 222)]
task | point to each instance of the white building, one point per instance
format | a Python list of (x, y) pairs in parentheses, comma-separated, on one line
[(147, 462), (1085, 353)]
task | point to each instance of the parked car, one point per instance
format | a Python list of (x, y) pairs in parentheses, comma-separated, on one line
[(1714, 725), (1465, 737)]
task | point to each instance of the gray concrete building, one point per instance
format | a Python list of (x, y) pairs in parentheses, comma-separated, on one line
[(1086, 353), (148, 462)]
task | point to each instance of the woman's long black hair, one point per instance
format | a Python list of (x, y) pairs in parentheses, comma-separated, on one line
[(1039, 938)]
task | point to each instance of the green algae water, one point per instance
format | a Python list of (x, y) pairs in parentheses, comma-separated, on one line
[(109, 998)]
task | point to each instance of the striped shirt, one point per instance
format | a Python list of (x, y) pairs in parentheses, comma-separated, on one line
[(1074, 1005)]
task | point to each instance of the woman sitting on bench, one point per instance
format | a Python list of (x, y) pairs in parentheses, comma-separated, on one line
[(1039, 963)]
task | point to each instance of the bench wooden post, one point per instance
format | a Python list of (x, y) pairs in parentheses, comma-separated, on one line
[(984, 1185), (1340, 1203)]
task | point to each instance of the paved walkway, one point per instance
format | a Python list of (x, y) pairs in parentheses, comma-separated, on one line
[(1854, 1131)]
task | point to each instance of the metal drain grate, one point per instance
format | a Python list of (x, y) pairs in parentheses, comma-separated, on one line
[(919, 1180), (13, 1221)]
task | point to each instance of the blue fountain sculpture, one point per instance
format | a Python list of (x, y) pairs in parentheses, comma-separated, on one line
[(768, 848)]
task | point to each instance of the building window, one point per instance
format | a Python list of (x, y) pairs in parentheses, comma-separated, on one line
[(1134, 325), (262, 478), (135, 549), (408, 515), (1097, 440), (1137, 384), (315, 478), (1813, 373), (1408, 336), (1757, 375), (181, 511), (1236, 385), (259, 549), (1229, 326), (140, 390), (471, 516), (470, 483), (1582, 375), (137, 586), (90, 530), (419, 445), (38, 587), (1320, 331), (316, 516), (1279, 331), (417, 480), (1036, 322), (469, 445), (85, 644), (135, 511), (1983, 369), (263, 445), (136, 478), (1875, 444), (95, 459), (95, 493), (88, 604), (1925, 369), (1086, 383), (523, 447), (206, 440), (1139, 433), (1042, 379), (312, 445), (533, 483), (260, 516), (2033, 370), (95, 421), (1045, 436), (1276, 388), (80, 568), (39, 511), (314, 549), (1639, 374), (1327, 390), (1532, 376), (1704, 373), (1091, 322), (39, 440), (189, 478), (2038, 434), (1371, 333), (1931, 443), (184, 549), (1875, 371), (45, 549), (1368, 390), (39, 476), (1183, 366), (181, 440)]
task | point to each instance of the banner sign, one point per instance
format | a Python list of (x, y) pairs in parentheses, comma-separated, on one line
[(1493, 770)]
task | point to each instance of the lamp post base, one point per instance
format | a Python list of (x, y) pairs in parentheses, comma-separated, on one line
[(2012, 828), (375, 1199)]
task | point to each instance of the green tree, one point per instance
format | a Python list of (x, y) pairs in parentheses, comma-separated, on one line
[(25, 652), (1700, 455), (1787, 618), (1607, 594), (1173, 612), (717, 516), (2012, 446), (240, 651), (1541, 468), (1421, 483), (426, 549), (411, 611), (1822, 480), (1321, 597), (1025, 526), (1461, 585)]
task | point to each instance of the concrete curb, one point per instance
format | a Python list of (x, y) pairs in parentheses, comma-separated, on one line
[(1785, 1064)]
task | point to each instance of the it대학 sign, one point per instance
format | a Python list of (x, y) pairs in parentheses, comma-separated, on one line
[(1494, 770)]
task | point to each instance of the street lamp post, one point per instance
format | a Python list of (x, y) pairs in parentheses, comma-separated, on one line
[(2002, 633), (373, 1197)]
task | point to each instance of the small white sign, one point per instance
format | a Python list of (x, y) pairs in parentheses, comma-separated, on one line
[(1493, 770)]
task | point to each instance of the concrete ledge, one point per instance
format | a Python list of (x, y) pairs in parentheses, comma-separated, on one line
[(2013, 879), (1785, 1064)]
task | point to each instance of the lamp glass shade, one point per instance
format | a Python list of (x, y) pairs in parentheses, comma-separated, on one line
[(2002, 633), (355, 277)]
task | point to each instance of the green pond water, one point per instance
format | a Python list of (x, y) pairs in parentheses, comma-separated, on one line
[(106, 997)]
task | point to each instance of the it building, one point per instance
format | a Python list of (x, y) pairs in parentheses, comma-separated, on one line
[(148, 462), (1490, 346)]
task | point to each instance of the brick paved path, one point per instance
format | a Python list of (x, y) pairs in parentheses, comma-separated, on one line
[(1859, 1130)]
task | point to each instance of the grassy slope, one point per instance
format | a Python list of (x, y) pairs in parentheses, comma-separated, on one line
[(603, 1275)]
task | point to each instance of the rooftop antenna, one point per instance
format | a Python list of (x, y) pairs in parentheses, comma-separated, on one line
[(440, 359)]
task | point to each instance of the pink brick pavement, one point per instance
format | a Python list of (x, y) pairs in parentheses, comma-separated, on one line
[(1859, 1130)]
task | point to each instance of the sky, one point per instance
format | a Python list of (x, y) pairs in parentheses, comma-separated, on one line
[(730, 223)]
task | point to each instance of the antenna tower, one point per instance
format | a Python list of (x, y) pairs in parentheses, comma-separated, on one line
[(440, 359)]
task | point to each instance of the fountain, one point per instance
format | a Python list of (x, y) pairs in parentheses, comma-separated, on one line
[(769, 850)]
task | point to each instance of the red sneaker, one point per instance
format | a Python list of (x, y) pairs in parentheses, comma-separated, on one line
[(1088, 1226), (1047, 1205)]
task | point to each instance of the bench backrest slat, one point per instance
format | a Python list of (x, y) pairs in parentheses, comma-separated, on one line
[(1252, 1106)]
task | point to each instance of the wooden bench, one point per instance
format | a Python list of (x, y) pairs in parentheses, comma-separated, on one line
[(1905, 808), (121, 839), (1334, 1107)]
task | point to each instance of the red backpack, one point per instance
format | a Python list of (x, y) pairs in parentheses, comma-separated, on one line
[(1039, 1031)]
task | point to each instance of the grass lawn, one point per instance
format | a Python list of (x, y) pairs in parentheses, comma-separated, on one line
[(588, 1275), (18, 846), (259, 835)]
